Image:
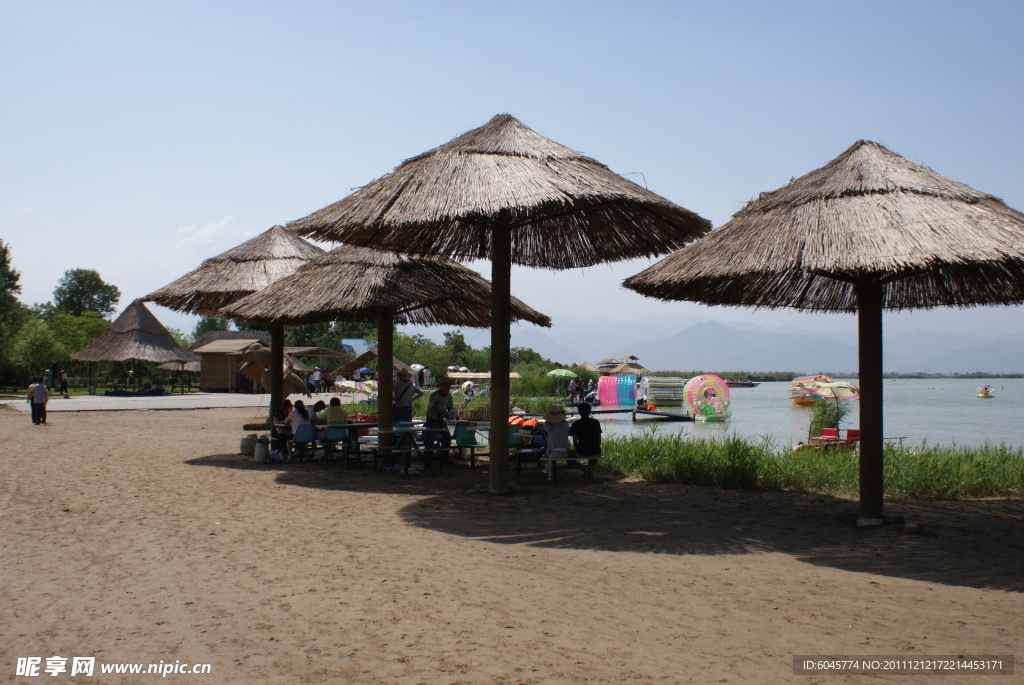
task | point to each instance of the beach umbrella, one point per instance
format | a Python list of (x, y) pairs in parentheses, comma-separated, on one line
[(868, 231), (561, 373), (417, 367), (230, 276), (365, 369), (360, 284), (505, 193)]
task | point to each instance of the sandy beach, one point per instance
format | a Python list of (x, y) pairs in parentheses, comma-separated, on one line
[(141, 536)]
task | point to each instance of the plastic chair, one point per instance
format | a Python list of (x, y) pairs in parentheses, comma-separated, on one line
[(305, 436), (517, 445), (465, 438), (829, 436), (335, 436), (852, 438)]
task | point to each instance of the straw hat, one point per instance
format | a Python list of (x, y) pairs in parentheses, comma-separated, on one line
[(555, 414), (404, 373)]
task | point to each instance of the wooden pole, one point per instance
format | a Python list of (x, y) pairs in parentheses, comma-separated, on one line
[(385, 382), (276, 371), (869, 351), (501, 278)]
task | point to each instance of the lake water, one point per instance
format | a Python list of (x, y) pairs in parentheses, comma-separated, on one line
[(941, 411)]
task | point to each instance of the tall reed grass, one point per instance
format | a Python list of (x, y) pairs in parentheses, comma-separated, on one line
[(738, 462)]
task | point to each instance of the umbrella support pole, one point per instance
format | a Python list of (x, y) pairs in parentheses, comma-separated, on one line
[(501, 287), (385, 384), (276, 371), (869, 350)]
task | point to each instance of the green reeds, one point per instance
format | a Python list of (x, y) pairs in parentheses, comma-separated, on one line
[(737, 462)]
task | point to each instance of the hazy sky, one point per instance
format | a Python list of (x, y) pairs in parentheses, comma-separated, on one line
[(139, 138)]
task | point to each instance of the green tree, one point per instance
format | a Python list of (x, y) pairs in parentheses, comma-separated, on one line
[(82, 290), (328, 334), (36, 347), (9, 285), (209, 323), (75, 333)]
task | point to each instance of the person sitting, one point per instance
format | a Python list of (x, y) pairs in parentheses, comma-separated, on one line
[(317, 408), (556, 432), (586, 434), (282, 432), (333, 414), (300, 416)]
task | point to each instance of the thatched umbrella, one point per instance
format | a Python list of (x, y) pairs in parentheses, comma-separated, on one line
[(247, 268), (359, 284), (136, 335), (868, 231), (502, 192)]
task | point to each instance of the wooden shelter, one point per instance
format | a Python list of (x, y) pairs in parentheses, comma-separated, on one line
[(502, 192), (367, 358), (361, 284), (219, 372), (247, 268), (868, 231)]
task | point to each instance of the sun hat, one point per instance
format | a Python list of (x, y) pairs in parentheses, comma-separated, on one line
[(404, 373), (555, 414)]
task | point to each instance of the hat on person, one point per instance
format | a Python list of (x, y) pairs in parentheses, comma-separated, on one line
[(555, 414), (404, 373)]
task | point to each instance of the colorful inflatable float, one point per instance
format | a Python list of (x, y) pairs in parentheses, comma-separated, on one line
[(801, 390), (986, 391), (708, 398), (616, 390)]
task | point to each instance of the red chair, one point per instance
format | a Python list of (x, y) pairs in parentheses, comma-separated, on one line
[(851, 439), (829, 436)]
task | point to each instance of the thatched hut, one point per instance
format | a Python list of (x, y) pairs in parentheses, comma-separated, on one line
[(502, 192), (136, 335), (220, 367), (868, 231)]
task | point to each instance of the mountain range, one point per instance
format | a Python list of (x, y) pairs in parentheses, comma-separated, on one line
[(690, 343)]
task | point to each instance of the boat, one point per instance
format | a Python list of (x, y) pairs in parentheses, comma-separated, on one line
[(741, 383), (986, 391)]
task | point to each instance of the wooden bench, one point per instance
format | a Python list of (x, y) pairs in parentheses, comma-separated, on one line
[(561, 455)]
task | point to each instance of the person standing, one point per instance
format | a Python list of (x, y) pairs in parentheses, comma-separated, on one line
[(317, 377), (63, 385), (436, 435), (405, 392), (48, 379), (38, 396)]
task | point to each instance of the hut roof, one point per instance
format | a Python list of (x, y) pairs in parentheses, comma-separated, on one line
[(587, 366), (553, 197), (313, 352), (361, 284), (628, 367), (244, 269), (228, 346), (135, 335), (364, 360), (191, 367), (210, 336), (869, 214)]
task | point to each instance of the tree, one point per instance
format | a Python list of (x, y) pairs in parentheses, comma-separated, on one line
[(75, 333), (82, 290), (36, 347), (9, 285), (207, 324)]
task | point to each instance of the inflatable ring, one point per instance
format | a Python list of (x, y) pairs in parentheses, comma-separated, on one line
[(708, 397)]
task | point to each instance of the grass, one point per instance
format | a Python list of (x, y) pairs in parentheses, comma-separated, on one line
[(736, 462)]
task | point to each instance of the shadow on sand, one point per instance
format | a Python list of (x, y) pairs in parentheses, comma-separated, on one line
[(974, 543)]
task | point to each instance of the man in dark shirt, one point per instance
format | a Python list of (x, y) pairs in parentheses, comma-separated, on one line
[(586, 433)]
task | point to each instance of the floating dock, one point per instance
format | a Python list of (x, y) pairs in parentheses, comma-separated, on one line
[(664, 415)]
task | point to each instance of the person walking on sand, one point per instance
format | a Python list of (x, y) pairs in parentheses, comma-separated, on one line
[(38, 396)]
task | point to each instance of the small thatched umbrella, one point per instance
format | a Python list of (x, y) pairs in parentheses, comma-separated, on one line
[(502, 192), (868, 231), (247, 268), (359, 284), (136, 335)]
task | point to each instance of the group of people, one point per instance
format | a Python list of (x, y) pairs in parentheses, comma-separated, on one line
[(289, 417), (580, 392), (585, 432)]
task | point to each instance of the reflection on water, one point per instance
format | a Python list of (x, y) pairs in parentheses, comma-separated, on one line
[(941, 411)]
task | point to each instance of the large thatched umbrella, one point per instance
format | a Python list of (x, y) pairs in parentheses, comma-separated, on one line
[(136, 335), (502, 192), (360, 284), (868, 231), (247, 268)]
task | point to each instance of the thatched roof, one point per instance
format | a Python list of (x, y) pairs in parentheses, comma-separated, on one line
[(364, 360), (190, 367), (247, 268), (587, 366), (868, 214), (359, 284), (210, 336), (628, 367), (135, 335), (565, 210)]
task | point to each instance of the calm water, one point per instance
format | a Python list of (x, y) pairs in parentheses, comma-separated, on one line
[(945, 412)]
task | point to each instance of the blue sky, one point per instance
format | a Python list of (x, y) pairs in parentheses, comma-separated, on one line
[(140, 138)]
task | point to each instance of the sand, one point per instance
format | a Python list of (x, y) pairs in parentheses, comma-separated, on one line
[(141, 536)]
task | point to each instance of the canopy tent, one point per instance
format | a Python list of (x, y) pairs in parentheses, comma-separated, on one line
[(868, 231), (502, 192)]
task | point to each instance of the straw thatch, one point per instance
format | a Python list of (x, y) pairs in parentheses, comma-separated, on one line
[(211, 336), (869, 214), (359, 284), (244, 269), (868, 231), (190, 367), (135, 335), (565, 210)]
